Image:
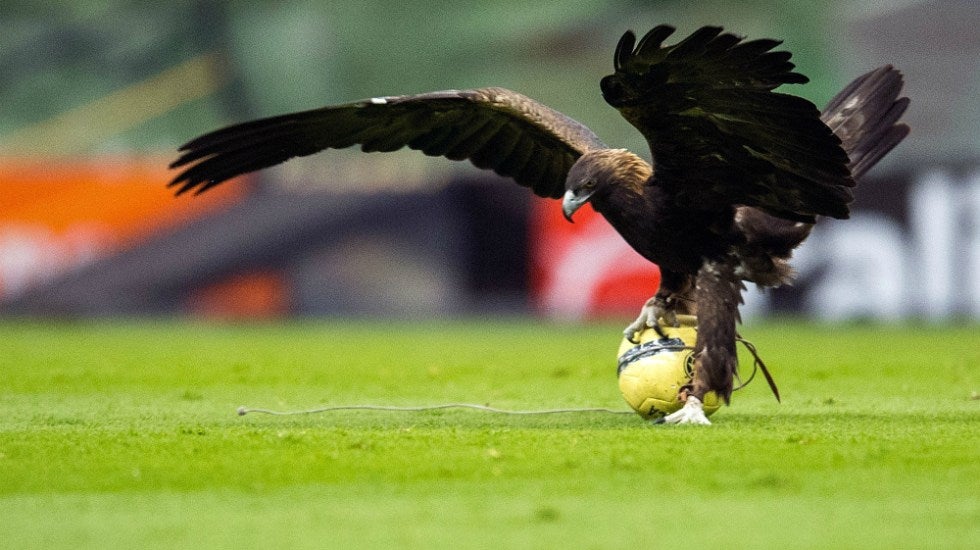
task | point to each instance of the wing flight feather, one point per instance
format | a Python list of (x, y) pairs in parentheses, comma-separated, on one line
[(718, 132), (494, 128)]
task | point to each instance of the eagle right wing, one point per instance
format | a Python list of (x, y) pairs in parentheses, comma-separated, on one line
[(496, 129), (719, 134)]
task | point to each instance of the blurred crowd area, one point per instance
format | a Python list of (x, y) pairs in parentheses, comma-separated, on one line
[(97, 96)]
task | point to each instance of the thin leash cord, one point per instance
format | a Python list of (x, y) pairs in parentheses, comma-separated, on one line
[(756, 364), (242, 411)]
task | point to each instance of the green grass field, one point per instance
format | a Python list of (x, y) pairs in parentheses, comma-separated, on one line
[(124, 435)]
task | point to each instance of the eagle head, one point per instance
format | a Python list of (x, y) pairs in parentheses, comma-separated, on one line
[(599, 171)]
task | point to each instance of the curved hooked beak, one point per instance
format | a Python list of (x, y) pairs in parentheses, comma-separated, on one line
[(571, 202)]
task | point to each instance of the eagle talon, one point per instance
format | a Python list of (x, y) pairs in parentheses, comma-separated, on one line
[(650, 314), (691, 413), (657, 313)]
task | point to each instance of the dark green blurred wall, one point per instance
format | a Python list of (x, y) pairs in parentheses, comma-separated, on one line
[(282, 56)]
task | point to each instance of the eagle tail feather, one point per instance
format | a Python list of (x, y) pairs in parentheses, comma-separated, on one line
[(864, 115)]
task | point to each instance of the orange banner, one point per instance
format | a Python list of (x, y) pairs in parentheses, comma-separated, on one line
[(59, 214)]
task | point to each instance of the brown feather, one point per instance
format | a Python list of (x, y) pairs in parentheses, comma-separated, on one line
[(718, 294)]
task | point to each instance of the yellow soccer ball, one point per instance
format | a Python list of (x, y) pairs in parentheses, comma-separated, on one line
[(652, 372)]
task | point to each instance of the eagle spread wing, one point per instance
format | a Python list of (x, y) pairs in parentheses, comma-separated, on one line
[(494, 128), (723, 142), (718, 132)]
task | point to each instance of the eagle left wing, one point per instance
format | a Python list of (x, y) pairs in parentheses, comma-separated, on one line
[(719, 134), (494, 128)]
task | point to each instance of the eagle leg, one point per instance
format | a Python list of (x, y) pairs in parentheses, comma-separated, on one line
[(664, 306), (718, 293)]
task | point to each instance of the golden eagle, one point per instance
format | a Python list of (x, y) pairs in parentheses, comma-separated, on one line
[(740, 173)]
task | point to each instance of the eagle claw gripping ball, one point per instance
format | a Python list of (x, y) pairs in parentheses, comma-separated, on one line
[(653, 371)]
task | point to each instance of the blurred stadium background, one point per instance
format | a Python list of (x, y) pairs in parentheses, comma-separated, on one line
[(97, 95)]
